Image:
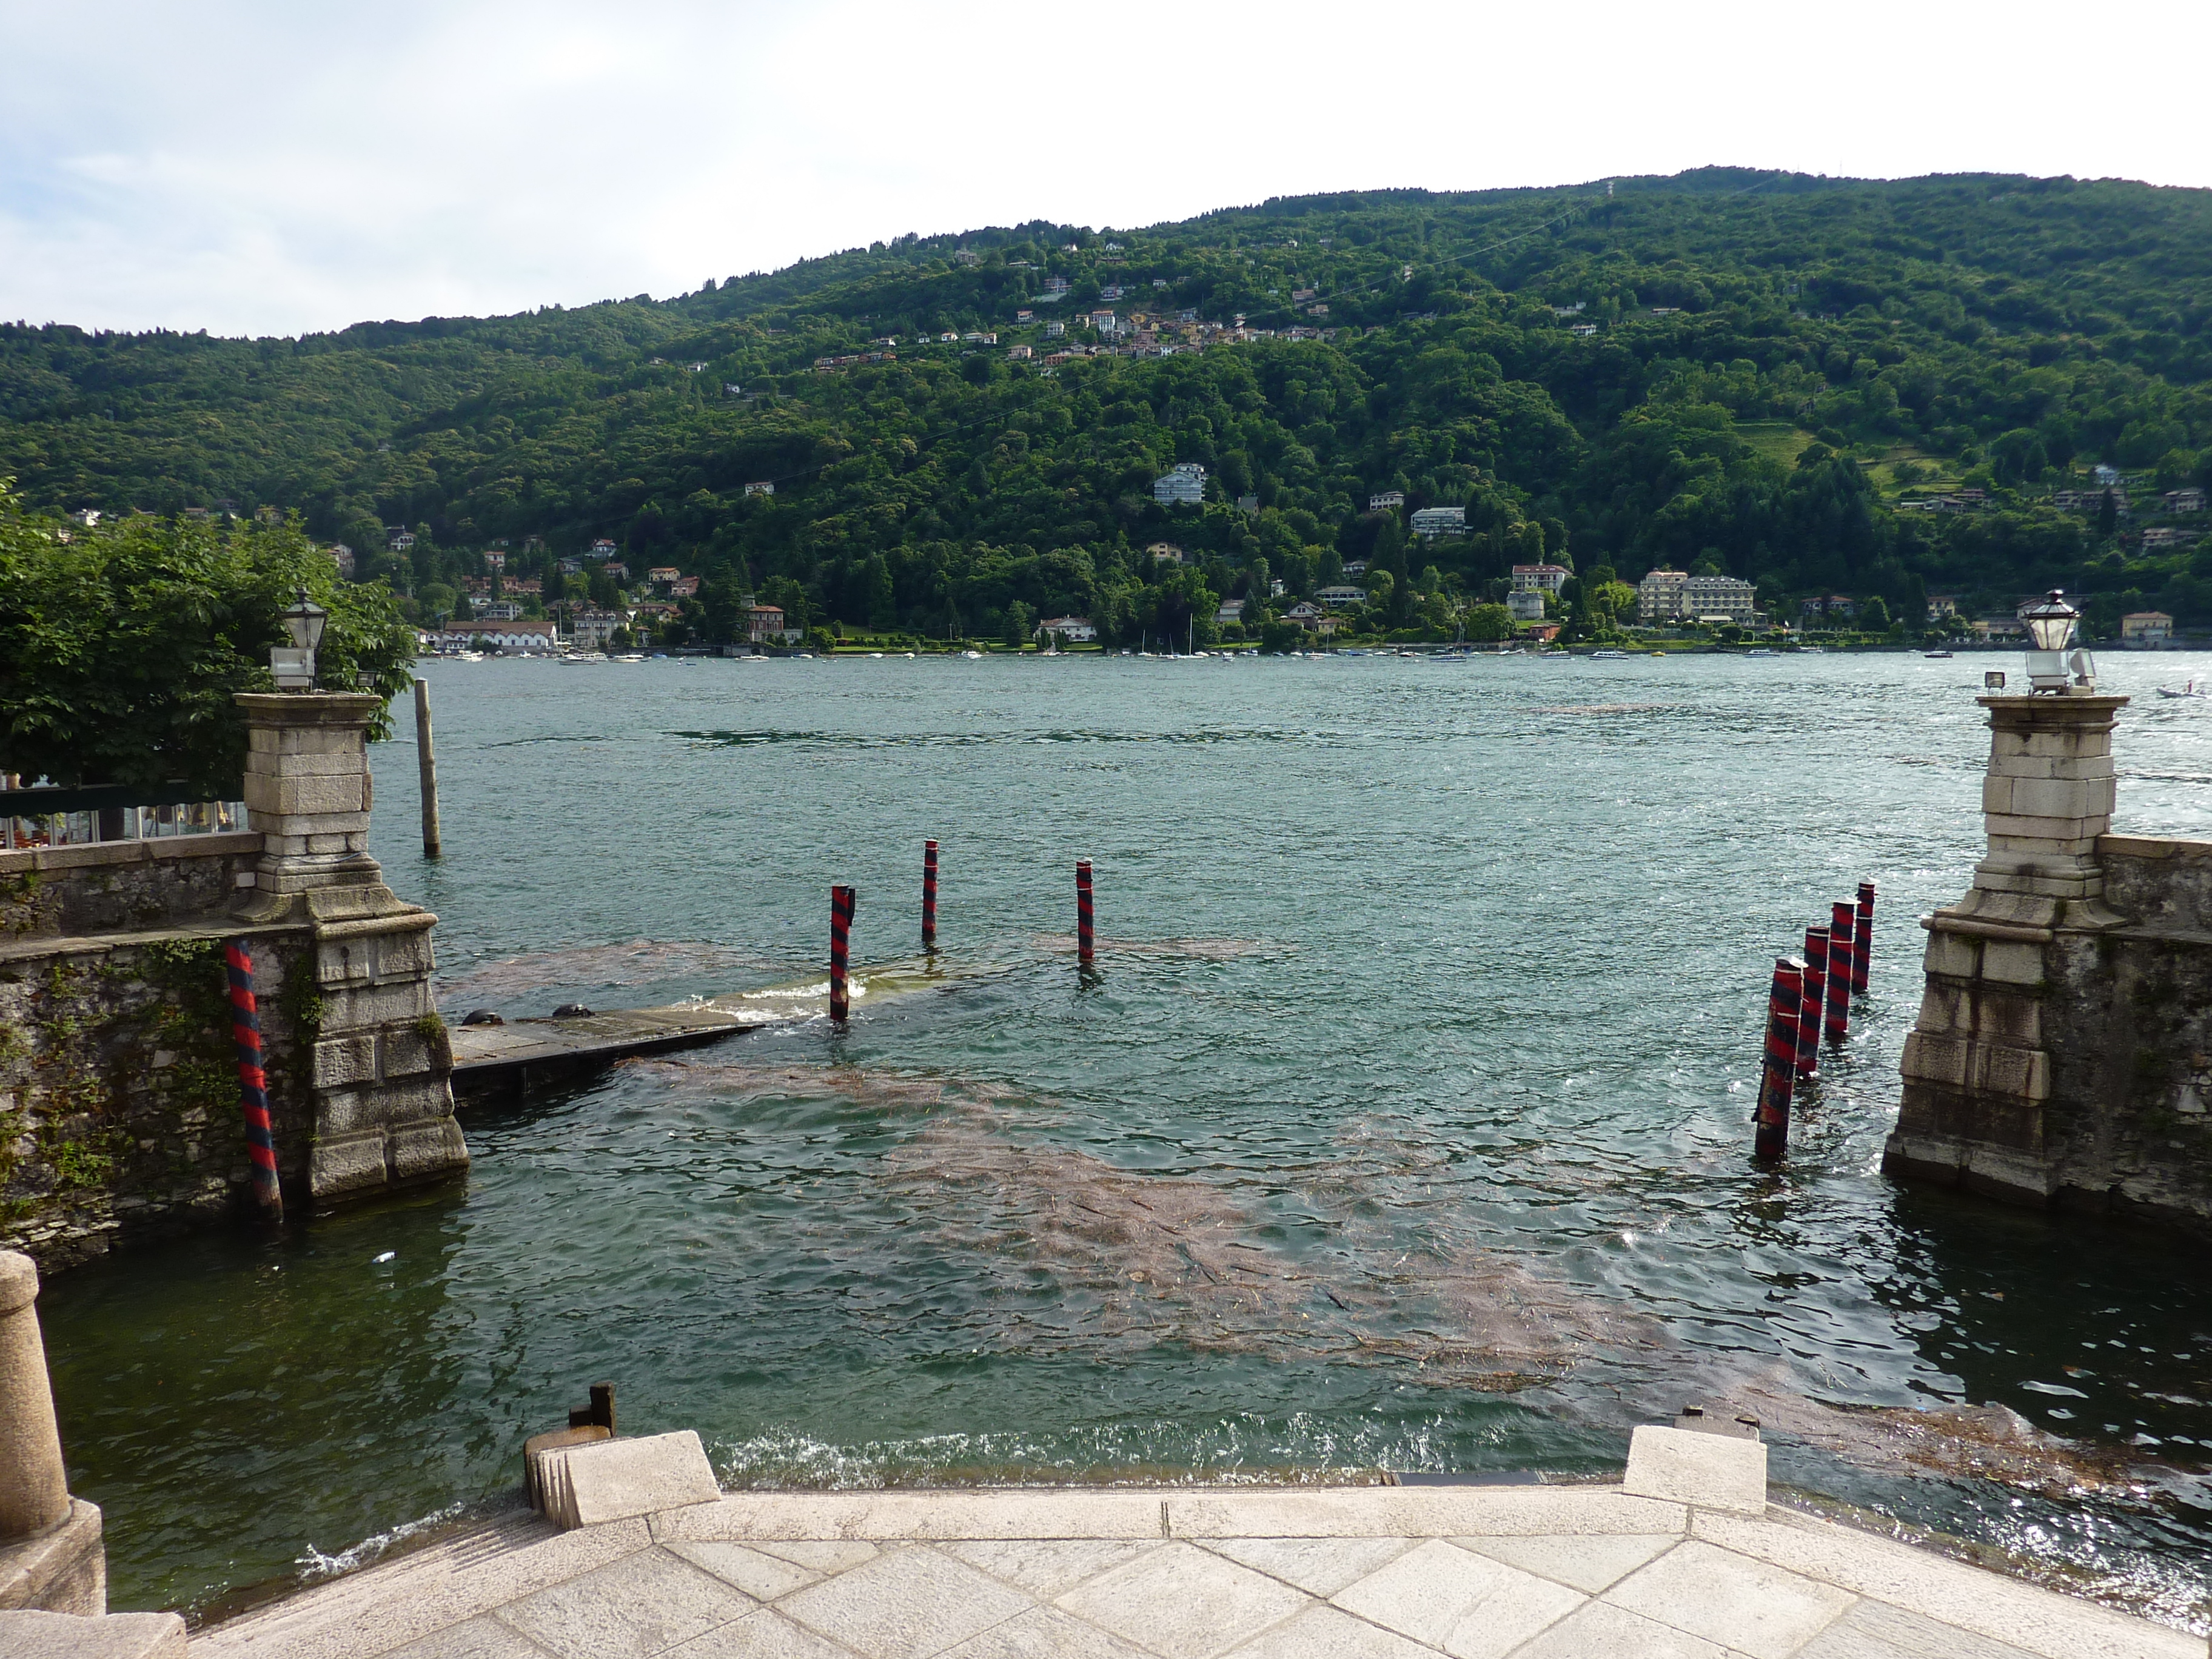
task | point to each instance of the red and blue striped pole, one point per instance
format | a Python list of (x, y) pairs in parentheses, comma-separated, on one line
[(253, 1081), (929, 896), (1842, 921), (1085, 944), (1778, 1074), (842, 902), (1863, 946), (1808, 1016)]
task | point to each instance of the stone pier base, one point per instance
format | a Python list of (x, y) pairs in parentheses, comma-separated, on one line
[(381, 1067)]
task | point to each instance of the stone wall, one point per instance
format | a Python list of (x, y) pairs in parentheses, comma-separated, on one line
[(119, 887), (119, 1088)]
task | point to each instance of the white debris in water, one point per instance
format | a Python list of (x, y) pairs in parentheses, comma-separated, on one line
[(389, 1255)]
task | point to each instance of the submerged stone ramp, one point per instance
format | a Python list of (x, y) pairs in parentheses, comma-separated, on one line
[(1191, 1572), (525, 1051)]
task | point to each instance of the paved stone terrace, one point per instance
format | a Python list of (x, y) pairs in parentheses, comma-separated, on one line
[(1584, 1572)]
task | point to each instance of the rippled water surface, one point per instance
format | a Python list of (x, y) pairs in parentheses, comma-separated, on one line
[(1403, 1123)]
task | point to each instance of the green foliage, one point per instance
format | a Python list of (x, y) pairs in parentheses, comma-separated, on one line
[(1771, 355), (121, 648)]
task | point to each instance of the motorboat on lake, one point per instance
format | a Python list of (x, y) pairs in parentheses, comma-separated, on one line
[(2189, 689)]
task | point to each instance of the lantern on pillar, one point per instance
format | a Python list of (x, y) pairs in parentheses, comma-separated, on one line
[(293, 665), (2051, 625)]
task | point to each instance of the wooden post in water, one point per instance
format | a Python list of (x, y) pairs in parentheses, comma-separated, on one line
[(929, 896), (842, 903), (1863, 942), (253, 1081), (1842, 922), (426, 762), (1815, 988), (1778, 1072), (1085, 950)]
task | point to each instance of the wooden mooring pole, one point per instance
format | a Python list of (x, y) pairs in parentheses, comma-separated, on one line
[(842, 903), (1778, 1067), (426, 762), (929, 896), (1085, 945), (1843, 923), (253, 1080)]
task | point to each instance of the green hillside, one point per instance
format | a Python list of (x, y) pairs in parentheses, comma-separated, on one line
[(1761, 365)]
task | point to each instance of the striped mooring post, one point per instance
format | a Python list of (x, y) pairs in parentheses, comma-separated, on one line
[(253, 1081), (1863, 941), (842, 902), (1842, 922), (929, 896), (1778, 1074), (1085, 944), (1809, 1014)]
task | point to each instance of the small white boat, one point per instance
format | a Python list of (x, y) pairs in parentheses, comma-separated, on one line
[(1608, 656), (1936, 656), (973, 656), (2189, 689), (1759, 653)]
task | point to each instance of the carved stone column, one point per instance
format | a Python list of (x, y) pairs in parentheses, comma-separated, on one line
[(2018, 948), (381, 1065)]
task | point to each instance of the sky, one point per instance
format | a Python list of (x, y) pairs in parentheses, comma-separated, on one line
[(256, 169)]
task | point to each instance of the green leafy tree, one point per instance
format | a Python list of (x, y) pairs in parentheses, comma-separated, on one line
[(1490, 621), (121, 649)]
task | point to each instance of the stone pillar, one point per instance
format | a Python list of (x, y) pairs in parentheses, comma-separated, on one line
[(52, 1556), (1977, 1067), (381, 1065), (34, 1487)]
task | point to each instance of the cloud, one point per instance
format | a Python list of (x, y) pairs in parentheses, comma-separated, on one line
[(262, 168)]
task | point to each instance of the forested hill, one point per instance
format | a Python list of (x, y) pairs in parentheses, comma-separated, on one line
[(1744, 371)]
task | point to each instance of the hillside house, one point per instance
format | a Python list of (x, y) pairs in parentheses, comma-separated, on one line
[(2149, 629), (1184, 487), (1549, 577), (1525, 604), (1076, 630), (1386, 501), (1229, 610), (1164, 552), (661, 574), (341, 555), (684, 588), (1431, 522), (764, 488), (1342, 597), (2190, 499)]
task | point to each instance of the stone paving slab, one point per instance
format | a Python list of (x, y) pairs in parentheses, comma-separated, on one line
[(1580, 1572)]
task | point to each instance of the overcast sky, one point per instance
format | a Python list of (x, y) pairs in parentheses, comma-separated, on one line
[(277, 168)]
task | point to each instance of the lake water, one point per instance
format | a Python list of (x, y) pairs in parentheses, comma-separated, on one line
[(1403, 1124)]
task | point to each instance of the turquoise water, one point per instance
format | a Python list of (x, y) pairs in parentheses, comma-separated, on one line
[(1404, 1122)]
